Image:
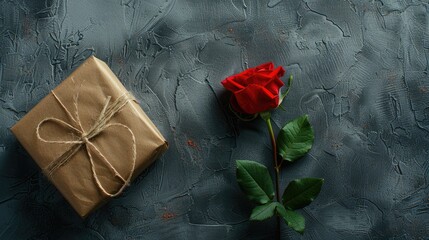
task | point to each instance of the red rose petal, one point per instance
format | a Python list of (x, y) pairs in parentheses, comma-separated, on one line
[(269, 66), (274, 85), (234, 105), (231, 85), (279, 71), (255, 99), (242, 77)]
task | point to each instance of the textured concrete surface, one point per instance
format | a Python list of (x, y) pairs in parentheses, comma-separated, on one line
[(361, 70)]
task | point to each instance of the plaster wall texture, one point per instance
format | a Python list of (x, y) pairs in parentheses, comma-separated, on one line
[(360, 70)]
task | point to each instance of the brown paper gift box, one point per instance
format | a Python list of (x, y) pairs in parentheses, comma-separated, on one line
[(86, 90)]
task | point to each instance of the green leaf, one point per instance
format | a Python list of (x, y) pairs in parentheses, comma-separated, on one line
[(295, 139), (264, 212), (301, 192), (283, 95), (293, 219), (255, 180)]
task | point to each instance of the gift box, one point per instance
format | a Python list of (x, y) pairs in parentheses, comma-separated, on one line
[(90, 136)]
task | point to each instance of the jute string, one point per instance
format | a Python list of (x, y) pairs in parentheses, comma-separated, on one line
[(84, 139)]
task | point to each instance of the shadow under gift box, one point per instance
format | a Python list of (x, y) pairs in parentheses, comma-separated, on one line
[(84, 95)]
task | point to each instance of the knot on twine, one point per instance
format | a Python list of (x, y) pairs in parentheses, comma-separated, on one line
[(84, 139)]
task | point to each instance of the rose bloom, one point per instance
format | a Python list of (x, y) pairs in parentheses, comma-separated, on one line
[(256, 89)]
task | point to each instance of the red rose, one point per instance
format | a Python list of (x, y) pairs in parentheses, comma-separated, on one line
[(256, 89)]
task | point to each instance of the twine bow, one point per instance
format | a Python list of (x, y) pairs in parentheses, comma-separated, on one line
[(84, 139)]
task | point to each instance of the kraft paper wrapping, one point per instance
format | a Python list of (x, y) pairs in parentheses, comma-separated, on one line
[(95, 82)]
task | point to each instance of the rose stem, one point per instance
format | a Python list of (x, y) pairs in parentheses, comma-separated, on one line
[(276, 167)]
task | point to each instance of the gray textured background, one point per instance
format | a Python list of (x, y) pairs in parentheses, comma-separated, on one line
[(361, 75)]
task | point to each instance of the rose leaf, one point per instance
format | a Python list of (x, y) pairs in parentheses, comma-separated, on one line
[(264, 212), (295, 139), (301, 192), (255, 180), (293, 219)]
